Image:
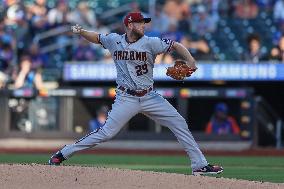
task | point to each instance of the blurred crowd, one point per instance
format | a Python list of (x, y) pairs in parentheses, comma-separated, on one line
[(34, 34)]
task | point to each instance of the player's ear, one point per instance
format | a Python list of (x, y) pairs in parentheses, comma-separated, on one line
[(130, 25)]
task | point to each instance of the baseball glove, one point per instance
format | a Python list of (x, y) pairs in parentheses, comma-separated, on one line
[(180, 70)]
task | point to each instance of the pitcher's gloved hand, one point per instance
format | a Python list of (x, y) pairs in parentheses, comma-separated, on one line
[(180, 70), (76, 29)]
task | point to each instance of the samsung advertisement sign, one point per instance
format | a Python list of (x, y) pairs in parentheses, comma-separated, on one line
[(205, 72)]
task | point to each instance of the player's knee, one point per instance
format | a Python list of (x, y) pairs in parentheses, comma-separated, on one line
[(183, 123), (180, 122)]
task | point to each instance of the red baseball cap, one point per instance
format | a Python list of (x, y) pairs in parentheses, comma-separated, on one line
[(135, 17)]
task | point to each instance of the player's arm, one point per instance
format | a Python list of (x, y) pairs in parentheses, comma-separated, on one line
[(185, 54), (91, 36)]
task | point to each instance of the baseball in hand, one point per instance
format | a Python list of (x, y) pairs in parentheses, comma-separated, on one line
[(76, 29)]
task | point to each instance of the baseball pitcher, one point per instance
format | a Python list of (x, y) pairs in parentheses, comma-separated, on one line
[(134, 55)]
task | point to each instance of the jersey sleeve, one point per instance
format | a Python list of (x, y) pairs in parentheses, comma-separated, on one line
[(107, 40), (161, 45)]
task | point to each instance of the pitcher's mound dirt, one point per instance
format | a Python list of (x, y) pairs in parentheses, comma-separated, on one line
[(33, 176)]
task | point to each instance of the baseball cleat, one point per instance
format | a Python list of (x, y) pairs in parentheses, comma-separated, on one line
[(208, 169), (56, 159)]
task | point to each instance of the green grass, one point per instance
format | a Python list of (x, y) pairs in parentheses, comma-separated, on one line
[(270, 169)]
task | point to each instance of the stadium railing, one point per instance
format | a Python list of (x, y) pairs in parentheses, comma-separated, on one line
[(269, 120)]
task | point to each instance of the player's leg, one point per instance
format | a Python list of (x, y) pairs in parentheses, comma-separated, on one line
[(123, 109), (161, 111)]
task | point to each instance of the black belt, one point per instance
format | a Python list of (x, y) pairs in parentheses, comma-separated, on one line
[(135, 93)]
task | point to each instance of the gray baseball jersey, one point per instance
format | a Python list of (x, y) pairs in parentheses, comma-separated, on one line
[(134, 61)]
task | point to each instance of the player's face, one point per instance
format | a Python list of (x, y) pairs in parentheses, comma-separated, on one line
[(221, 115), (138, 28)]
